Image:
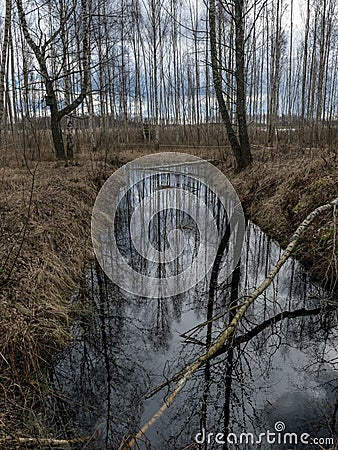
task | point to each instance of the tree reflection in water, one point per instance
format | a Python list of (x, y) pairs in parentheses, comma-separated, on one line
[(281, 365)]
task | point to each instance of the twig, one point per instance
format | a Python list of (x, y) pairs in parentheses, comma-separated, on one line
[(41, 441)]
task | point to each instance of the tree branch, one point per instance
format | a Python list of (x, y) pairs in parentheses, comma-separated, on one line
[(229, 331)]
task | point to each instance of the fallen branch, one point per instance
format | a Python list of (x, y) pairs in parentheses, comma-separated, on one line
[(236, 342), (34, 442), (229, 331)]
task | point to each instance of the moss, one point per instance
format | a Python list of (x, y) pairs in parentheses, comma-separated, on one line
[(325, 185), (326, 240), (298, 207)]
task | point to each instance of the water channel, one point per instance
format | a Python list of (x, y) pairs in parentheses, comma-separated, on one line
[(278, 374)]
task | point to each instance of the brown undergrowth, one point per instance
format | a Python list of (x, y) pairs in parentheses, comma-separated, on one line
[(279, 191), (45, 211)]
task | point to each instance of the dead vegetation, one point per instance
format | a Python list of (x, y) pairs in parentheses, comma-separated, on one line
[(45, 243), (279, 191)]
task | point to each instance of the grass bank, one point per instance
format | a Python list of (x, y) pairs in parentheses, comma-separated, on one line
[(45, 212), (45, 243), (280, 189)]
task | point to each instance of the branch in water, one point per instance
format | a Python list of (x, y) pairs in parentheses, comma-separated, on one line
[(236, 342), (216, 347)]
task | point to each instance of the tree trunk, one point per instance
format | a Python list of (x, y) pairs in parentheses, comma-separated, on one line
[(57, 133), (4, 54), (55, 121), (246, 157), (242, 156), (305, 69), (41, 55)]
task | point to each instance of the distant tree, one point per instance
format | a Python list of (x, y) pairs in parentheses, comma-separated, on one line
[(305, 67), (277, 45), (45, 50), (328, 9), (3, 65), (192, 64)]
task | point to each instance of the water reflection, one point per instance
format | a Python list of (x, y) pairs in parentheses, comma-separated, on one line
[(157, 223), (281, 366)]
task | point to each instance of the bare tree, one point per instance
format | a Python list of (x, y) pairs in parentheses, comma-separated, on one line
[(41, 53), (3, 64), (240, 144), (276, 51), (148, 62)]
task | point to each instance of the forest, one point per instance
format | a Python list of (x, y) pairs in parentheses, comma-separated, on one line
[(136, 71)]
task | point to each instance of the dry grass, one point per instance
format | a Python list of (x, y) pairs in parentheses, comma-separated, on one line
[(45, 242), (280, 190)]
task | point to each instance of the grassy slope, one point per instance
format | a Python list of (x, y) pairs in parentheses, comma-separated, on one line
[(280, 192), (45, 236), (45, 242)]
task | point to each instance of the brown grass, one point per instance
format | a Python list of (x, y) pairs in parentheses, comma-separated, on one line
[(279, 191), (45, 214), (45, 243)]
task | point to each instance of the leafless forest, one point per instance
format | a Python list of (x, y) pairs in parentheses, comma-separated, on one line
[(167, 72)]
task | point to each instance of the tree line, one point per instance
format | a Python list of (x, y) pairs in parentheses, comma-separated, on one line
[(145, 69)]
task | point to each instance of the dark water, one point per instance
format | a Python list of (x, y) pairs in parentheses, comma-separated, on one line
[(281, 366)]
